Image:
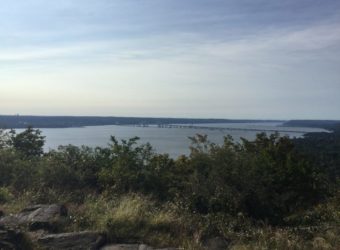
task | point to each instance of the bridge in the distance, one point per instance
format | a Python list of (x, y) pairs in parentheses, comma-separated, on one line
[(183, 126)]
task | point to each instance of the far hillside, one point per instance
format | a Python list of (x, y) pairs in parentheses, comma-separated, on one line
[(326, 124), (16, 121)]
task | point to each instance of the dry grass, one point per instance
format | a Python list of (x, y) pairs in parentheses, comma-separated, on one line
[(131, 218), (15, 204), (139, 219)]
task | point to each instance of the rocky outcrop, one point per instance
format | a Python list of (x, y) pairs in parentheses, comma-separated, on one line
[(216, 243), (37, 226), (74, 241), (11, 239), (121, 247), (46, 217), (133, 247)]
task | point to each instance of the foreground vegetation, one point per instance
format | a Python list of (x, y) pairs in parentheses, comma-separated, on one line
[(270, 193)]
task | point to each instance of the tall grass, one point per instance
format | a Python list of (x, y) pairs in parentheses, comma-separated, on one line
[(131, 218)]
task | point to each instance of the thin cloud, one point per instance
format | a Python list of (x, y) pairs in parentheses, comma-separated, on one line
[(237, 58)]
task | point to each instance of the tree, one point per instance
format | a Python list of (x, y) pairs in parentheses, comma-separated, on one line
[(29, 142), (128, 163), (4, 139)]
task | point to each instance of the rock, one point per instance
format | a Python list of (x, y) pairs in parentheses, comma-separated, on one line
[(47, 217), (11, 239), (144, 247), (2, 213), (74, 241), (168, 248), (216, 243), (133, 247), (10, 221), (321, 243), (121, 247)]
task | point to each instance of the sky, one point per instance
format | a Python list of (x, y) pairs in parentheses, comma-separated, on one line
[(252, 59)]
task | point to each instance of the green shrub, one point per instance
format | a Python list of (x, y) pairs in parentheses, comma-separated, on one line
[(19, 173), (5, 195), (265, 179), (5, 139), (30, 142), (325, 213), (72, 167), (128, 161)]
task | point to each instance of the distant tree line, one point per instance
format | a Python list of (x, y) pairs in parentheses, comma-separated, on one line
[(80, 121)]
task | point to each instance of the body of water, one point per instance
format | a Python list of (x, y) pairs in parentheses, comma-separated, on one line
[(171, 140)]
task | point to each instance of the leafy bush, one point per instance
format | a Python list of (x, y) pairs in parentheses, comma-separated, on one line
[(71, 167), (4, 139), (265, 178), (326, 213), (128, 161), (29, 142), (17, 172), (5, 195)]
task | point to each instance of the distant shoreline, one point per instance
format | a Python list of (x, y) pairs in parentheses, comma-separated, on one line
[(17, 122), (13, 121)]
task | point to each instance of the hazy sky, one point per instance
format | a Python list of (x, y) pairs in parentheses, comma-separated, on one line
[(263, 59)]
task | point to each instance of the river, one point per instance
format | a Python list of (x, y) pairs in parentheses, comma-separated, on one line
[(172, 140)]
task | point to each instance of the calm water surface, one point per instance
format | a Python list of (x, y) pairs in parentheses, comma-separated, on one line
[(173, 141)]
